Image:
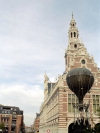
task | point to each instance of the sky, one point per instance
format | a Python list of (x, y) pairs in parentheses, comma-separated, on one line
[(33, 39)]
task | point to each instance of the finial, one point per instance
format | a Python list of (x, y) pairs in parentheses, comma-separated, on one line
[(46, 77), (72, 15)]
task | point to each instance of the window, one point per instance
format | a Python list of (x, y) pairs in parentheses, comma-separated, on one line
[(8, 111), (74, 34), (3, 111), (75, 45), (96, 103), (71, 34), (14, 113), (72, 99), (83, 61), (15, 109), (69, 107)]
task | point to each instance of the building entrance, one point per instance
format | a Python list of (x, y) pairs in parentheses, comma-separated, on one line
[(71, 128), (80, 126)]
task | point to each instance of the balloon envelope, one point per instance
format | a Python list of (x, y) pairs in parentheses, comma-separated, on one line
[(80, 80)]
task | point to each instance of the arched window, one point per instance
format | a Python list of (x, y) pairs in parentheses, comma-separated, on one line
[(71, 34), (74, 34)]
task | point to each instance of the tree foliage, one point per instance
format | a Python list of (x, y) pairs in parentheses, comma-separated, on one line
[(2, 126)]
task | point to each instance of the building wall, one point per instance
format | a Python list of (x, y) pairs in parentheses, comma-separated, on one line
[(12, 118), (36, 123), (18, 123), (56, 112)]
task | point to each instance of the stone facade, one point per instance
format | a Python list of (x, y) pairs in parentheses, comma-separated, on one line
[(57, 112)]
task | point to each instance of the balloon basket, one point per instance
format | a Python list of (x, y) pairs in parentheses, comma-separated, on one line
[(81, 111)]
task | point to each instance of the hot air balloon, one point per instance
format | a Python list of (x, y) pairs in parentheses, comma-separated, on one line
[(80, 81)]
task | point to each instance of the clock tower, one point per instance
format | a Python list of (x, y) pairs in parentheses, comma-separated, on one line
[(76, 52), (73, 31)]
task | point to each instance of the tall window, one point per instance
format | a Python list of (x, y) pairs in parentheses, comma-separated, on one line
[(74, 34), (72, 99), (96, 103), (71, 34)]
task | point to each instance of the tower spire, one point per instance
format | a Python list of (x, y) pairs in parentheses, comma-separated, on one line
[(73, 30), (72, 15), (46, 78)]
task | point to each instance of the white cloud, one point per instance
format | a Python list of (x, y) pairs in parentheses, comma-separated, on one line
[(33, 38), (27, 98)]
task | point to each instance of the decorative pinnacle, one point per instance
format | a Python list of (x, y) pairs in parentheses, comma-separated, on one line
[(72, 15), (46, 77)]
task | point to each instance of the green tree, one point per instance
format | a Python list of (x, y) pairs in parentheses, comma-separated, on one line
[(2, 126), (97, 128)]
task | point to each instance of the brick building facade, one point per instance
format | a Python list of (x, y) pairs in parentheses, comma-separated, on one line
[(57, 112), (12, 118), (36, 123)]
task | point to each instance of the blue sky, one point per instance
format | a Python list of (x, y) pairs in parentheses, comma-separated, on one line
[(33, 39)]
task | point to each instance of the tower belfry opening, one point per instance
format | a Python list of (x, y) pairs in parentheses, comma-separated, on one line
[(73, 30)]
